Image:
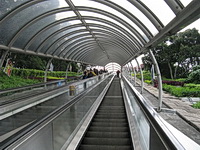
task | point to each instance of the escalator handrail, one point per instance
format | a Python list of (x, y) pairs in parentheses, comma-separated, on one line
[(155, 121), (40, 123)]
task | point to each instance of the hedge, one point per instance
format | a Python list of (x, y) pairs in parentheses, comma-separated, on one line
[(196, 105), (182, 91), (39, 73)]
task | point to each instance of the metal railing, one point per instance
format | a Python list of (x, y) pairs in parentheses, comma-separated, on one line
[(154, 133), (68, 116)]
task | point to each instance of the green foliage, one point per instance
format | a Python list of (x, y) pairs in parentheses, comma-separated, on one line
[(14, 81), (55, 78), (179, 80), (196, 68), (191, 85), (176, 54), (19, 77), (28, 61), (27, 72), (194, 76), (146, 75), (148, 81), (39, 73), (196, 105), (182, 91)]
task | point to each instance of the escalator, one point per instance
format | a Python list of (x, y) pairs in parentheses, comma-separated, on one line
[(109, 129), (97, 120)]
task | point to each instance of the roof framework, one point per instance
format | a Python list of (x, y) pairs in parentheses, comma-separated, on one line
[(91, 31)]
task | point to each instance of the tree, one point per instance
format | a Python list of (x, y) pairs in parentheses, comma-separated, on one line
[(179, 53), (28, 61)]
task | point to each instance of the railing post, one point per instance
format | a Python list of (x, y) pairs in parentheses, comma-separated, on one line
[(66, 75), (142, 79), (128, 69), (134, 73), (159, 80), (46, 70)]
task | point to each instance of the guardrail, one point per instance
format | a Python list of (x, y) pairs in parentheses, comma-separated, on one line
[(154, 133), (48, 129), (10, 107), (46, 84)]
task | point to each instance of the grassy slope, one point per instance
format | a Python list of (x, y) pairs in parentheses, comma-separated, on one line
[(14, 81)]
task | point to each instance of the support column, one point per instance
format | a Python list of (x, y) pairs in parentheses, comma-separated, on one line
[(128, 69), (3, 57), (134, 73), (46, 70), (152, 74), (159, 80), (67, 70), (142, 79)]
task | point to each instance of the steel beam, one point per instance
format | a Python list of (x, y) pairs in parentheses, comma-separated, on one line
[(159, 80)]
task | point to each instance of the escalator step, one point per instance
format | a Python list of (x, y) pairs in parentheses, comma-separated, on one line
[(115, 116), (109, 119), (106, 141), (103, 147), (109, 129), (109, 124), (108, 134), (111, 111)]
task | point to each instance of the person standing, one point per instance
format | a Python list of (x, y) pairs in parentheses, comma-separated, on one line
[(118, 72)]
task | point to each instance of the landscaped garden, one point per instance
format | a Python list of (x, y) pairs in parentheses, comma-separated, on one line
[(179, 63), (23, 77), (183, 87)]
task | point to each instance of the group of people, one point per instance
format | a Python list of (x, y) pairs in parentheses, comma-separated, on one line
[(89, 72)]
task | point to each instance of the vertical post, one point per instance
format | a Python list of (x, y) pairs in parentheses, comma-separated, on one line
[(127, 70), (67, 70), (46, 70), (130, 71), (134, 73), (152, 74), (129, 66), (142, 79), (3, 57), (159, 80)]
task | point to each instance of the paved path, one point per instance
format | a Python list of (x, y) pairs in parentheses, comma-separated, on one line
[(185, 118)]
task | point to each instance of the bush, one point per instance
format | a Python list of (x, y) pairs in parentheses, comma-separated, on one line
[(148, 81), (191, 85), (14, 81), (23, 77), (194, 77), (146, 75), (197, 105), (179, 80), (39, 73), (182, 91)]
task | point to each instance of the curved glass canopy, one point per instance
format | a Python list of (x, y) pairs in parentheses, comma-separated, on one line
[(94, 32)]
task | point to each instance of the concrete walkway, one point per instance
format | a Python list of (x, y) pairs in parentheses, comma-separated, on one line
[(181, 115)]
